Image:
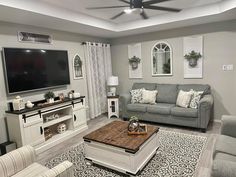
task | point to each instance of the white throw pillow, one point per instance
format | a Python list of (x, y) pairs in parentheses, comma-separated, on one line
[(184, 98), (149, 96), (136, 95), (195, 99)]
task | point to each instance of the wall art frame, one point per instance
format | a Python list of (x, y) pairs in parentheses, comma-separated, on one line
[(77, 67), (162, 47), (193, 43), (34, 37), (135, 61)]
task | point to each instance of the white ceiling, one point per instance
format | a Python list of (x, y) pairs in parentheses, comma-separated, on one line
[(72, 15), (105, 14)]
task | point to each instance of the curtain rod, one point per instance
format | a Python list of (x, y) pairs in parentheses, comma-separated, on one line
[(94, 43)]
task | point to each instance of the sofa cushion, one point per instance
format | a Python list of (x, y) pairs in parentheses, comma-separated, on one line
[(33, 170), (195, 99), (160, 108), (147, 86), (136, 95), (197, 87), (167, 93), (184, 112), (149, 96), (184, 98), (224, 156), (223, 168), (225, 144), (137, 107)]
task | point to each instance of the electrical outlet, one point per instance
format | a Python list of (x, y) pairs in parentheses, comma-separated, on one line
[(230, 67), (224, 67)]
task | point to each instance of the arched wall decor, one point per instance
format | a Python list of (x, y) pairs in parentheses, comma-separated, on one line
[(77, 67), (161, 59)]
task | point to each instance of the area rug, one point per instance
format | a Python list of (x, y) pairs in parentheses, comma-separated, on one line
[(178, 156)]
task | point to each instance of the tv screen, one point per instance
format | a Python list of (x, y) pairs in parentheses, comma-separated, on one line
[(33, 69)]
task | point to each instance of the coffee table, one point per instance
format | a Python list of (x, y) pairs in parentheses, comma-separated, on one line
[(112, 147)]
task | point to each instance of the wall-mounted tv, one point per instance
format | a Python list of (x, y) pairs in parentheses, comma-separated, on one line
[(34, 69)]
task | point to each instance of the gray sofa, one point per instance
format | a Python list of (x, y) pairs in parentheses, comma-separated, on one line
[(224, 156), (165, 111)]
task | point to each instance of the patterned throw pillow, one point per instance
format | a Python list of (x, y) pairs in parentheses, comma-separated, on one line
[(136, 95), (184, 98), (195, 99)]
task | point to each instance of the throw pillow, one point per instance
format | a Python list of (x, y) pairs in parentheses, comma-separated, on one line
[(136, 95), (149, 96), (184, 98), (195, 99)]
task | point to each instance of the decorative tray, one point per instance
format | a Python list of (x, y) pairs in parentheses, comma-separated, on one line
[(141, 131)]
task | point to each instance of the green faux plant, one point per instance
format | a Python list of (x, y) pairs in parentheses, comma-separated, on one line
[(49, 95), (192, 55), (134, 59), (133, 118)]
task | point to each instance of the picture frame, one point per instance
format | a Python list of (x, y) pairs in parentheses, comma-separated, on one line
[(61, 96), (77, 67), (135, 61), (34, 37)]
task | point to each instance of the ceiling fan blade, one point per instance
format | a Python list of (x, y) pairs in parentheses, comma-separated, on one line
[(116, 16), (154, 2), (127, 2), (163, 8), (105, 7), (143, 14)]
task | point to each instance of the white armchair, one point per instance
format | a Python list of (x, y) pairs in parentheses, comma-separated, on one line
[(21, 163)]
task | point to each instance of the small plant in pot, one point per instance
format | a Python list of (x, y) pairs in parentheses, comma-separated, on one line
[(192, 58), (134, 61), (49, 96)]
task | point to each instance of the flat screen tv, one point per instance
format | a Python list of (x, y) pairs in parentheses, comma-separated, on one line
[(34, 69)]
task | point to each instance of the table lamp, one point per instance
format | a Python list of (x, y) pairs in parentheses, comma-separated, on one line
[(112, 82)]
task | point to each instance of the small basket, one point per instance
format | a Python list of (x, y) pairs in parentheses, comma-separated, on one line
[(141, 131)]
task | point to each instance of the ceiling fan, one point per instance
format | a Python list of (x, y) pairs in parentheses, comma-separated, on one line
[(138, 6)]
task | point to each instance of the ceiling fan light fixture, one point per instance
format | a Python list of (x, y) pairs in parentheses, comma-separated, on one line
[(128, 11)]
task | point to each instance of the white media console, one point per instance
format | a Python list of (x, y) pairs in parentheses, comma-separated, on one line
[(27, 127)]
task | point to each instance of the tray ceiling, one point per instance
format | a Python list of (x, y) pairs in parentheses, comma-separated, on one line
[(72, 15)]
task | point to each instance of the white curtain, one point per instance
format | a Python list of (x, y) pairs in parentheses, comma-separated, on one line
[(98, 69)]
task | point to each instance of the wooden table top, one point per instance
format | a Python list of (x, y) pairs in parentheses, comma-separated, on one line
[(116, 134)]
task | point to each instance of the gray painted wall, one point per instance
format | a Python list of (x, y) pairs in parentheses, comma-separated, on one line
[(219, 49), (61, 41)]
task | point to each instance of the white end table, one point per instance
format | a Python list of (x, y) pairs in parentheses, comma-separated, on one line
[(113, 106)]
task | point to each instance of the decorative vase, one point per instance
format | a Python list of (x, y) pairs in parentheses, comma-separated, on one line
[(50, 100), (192, 62), (133, 126), (134, 65)]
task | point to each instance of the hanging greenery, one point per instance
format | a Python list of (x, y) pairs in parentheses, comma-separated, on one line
[(134, 59), (192, 55)]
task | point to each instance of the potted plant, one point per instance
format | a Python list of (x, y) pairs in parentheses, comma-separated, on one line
[(192, 58), (134, 61), (49, 96)]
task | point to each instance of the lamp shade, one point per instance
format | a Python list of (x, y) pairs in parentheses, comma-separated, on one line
[(112, 81)]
